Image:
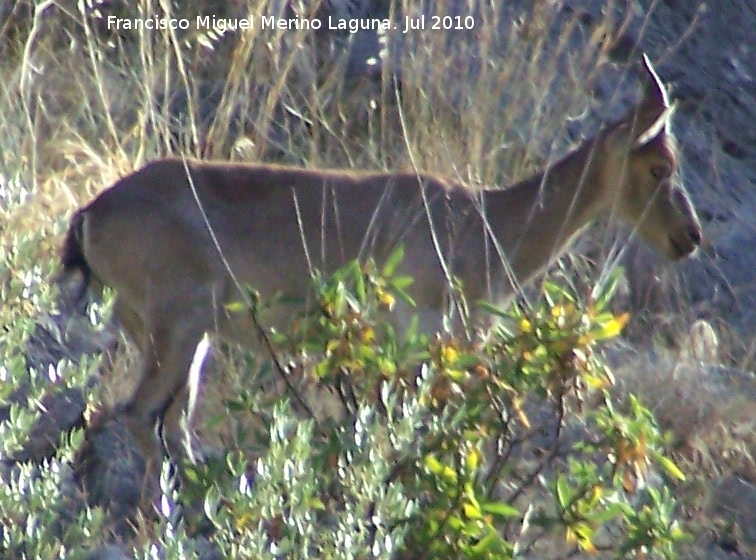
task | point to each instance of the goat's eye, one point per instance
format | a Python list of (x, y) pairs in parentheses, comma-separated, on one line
[(661, 171)]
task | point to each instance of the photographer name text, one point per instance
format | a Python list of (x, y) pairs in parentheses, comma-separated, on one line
[(201, 22)]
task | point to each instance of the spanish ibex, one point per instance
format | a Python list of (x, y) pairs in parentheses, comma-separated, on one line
[(178, 238)]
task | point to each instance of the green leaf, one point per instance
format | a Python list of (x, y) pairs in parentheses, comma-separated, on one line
[(359, 288), (554, 293), (489, 307), (584, 533), (611, 328), (500, 509), (678, 534), (471, 510), (455, 522), (352, 269), (445, 473), (612, 511), (669, 465), (563, 493), (365, 352), (233, 405), (603, 291), (412, 329), (401, 282), (633, 543), (486, 544), (316, 503), (405, 296), (393, 261), (466, 361), (322, 369), (236, 307), (339, 300), (472, 459)]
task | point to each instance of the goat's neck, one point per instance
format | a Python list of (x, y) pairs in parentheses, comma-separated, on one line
[(534, 221)]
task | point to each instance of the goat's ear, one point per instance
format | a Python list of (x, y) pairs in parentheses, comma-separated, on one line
[(652, 114), (661, 124)]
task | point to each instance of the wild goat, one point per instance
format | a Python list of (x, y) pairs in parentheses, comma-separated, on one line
[(177, 239)]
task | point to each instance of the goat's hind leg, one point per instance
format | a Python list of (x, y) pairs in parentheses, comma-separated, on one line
[(168, 350), (176, 428), (123, 322)]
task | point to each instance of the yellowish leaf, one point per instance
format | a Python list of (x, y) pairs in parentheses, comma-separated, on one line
[(386, 299), (449, 354), (236, 307), (367, 335), (670, 466), (612, 328), (472, 459), (472, 511)]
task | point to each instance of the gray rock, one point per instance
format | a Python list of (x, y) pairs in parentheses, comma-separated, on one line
[(111, 471), (110, 552), (60, 412), (733, 498), (712, 66), (64, 336)]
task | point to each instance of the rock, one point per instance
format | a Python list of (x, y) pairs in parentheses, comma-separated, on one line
[(709, 58), (18, 396), (64, 336), (111, 471), (110, 552), (206, 550), (60, 412), (733, 503)]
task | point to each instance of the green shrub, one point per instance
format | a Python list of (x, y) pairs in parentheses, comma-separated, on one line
[(436, 455), (444, 447)]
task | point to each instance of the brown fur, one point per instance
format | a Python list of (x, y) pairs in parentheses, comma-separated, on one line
[(148, 237)]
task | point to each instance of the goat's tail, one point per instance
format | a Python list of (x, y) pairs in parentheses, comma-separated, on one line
[(74, 263)]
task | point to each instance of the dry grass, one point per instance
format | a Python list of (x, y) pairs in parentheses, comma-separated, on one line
[(83, 106)]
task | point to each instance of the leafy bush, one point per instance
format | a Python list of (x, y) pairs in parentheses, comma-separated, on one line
[(446, 448), (508, 446)]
